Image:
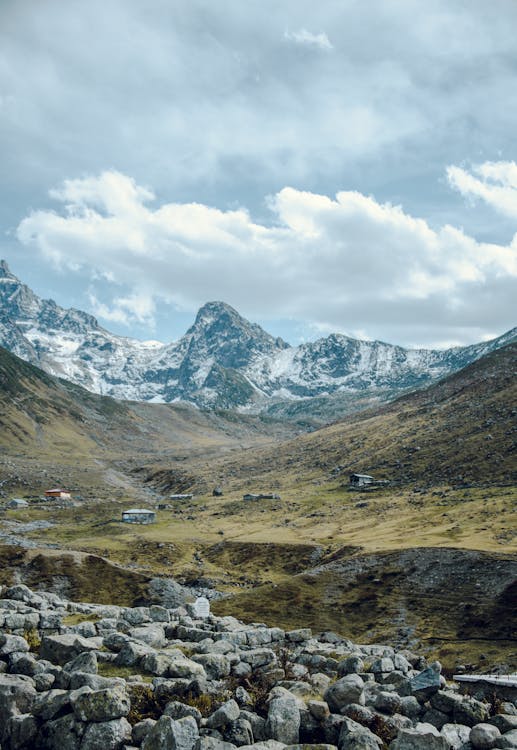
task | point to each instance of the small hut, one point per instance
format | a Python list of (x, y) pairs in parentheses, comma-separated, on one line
[(360, 480), (57, 492), (138, 515)]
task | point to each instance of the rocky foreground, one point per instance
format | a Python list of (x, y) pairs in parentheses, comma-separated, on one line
[(93, 677)]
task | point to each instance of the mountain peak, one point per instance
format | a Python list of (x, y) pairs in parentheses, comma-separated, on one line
[(5, 272), (211, 311)]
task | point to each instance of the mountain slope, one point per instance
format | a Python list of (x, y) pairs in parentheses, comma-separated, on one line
[(43, 416), (461, 429), (223, 361)]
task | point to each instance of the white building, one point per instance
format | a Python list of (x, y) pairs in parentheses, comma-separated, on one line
[(138, 515)]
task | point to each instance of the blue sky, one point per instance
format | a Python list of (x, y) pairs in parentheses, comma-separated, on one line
[(321, 167)]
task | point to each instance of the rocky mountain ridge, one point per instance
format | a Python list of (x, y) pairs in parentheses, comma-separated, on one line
[(223, 361), (77, 675)]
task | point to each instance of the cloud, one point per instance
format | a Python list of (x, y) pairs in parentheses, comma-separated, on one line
[(346, 262), (136, 308), (493, 182), (302, 36)]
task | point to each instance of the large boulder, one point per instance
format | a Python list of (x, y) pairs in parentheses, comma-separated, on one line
[(17, 695), (107, 735), (457, 735), (168, 734), (425, 684), (422, 737), (484, 736), (102, 705), (354, 736), (60, 649), (283, 718), (225, 714), (349, 689)]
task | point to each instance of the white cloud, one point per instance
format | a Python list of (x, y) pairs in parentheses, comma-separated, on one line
[(302, 36), (138, 307), (344, 263), (493, 182)]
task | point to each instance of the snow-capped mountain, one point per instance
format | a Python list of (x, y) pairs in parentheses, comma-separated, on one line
[(222, 361)]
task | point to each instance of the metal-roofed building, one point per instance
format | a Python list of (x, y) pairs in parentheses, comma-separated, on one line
[(138, 515)]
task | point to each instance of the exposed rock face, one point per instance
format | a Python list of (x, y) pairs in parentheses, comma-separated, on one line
[(223, 361), (241, 686)]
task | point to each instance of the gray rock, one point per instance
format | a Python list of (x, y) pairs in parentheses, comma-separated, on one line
[(265, 745), (351, 665), (152, 634), (318, 709), (409, 706), (60, 649), (21, 732), (435, 717), (107, 735), (382, 665), (354, 736), (283, 718), (470, 711), (62, 734), (257, 723), (504, 722), (101, 705), (177, 710), (457, 735), (216, 666), (12, 643), (225, 714), (136, 615), (132, 652), (484, 736), (297, 636), (348, 689), (239, 732), (425, 684), (141, 730), (85, 662), (47, 705), (212, 743), (508, 740), (17, 695), (168, 734), (423, 737)]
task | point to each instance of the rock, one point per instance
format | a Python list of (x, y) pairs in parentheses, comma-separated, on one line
[(21, 732), (12, 643), (17, 695), (484, 736), (225, 714), (382, 665), (242, 696), (351, 665), (62, 734), (425, 684), (168, 734), (85, 662), (423, 737), (177, 710), (132, 652), (318, 709), (140, 730), (349, 689), (388, 703), (101, 705), (283, 718), (298, 636), (504, 722), (457, 735), (152, 634), (470, 711), (354, 736), (60, 649), (107, 735), (239, 732), (508, 740), (212, 743), (216, 666)]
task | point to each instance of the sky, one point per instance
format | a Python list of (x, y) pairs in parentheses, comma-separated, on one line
[(323, 167)]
